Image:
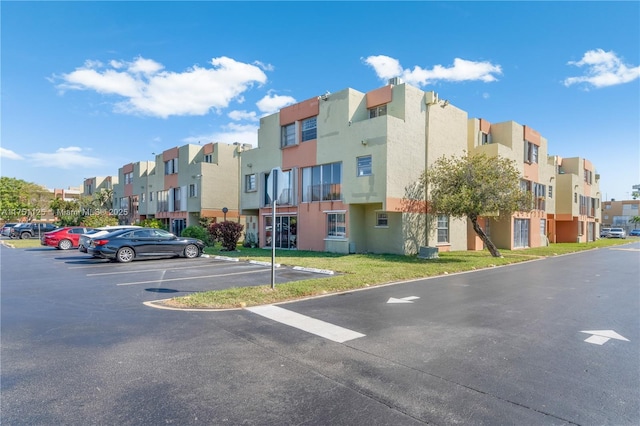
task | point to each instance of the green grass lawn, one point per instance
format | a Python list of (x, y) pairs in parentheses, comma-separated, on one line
[(356, 271), (353, 271)]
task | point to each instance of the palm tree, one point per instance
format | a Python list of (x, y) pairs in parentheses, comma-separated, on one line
[(105, 198), (635, 220)]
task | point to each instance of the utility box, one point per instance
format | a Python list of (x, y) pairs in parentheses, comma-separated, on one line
[(428, 253)]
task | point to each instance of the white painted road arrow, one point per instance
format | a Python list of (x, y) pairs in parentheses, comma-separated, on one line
[(402, 300), (600, 337)]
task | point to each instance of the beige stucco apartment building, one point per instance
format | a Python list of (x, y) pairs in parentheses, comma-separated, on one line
[(351, 161), (182, 185)]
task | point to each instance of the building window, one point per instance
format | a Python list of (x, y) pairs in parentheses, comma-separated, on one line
[(89, 189), (171, 167), (193, 190), (530, 152), (250, 183), (288, 135), (322, 183), (364, 166), (539, 193), (588, 176), (150, 195), (550, 191), (176, 199), (128, 177), (142, 199), (575, 197), (378, 111), (285, 196), (382, 219), (443, 228), (309, 129), (208, 158), (486, 138), (336, 225)]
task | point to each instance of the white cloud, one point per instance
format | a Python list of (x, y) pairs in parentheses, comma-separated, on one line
[(232, 132), (10, 155), (148, 89), (603, 69), (243, 115), (65, 158), (461, 70), (272, 103)]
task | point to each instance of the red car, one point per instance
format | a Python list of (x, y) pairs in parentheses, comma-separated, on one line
[(64, 238)]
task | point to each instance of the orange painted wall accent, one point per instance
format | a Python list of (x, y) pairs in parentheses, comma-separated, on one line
[(485, 126), (473, 240), (208, 148), (401, 205), (299, 111), (532, 135), (567, 231), (531, 171), (128, 189), (312, 224), (127, 168), (379, 96), (171, 181), (303, 155), (170, 154)]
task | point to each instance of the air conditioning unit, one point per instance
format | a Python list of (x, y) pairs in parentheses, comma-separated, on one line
[(394, 81)]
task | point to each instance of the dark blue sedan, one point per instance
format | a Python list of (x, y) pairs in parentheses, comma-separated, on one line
[(128, 244), (634, 233)]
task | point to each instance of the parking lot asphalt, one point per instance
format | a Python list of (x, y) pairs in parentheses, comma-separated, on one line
[(524, 344)]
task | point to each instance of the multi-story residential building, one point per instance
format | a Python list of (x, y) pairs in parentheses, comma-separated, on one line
[(529, 152), (578, 200), (181, 186), (350, 162), (72, 193), (95, 184), (620, 214)]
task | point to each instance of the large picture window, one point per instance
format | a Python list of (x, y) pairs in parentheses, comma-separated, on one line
[(378, 111), (530, 152), (322, 183), (171, 167)]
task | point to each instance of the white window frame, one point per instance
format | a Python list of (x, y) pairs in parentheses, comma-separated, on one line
[(336, 232), (378, 111), (288, 135), (442, 226), (250, 183), (382, 220)]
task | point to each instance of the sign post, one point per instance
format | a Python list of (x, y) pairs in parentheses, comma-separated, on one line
[(272, 192)]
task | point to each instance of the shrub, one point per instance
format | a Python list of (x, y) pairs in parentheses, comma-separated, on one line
[(99, 219), (198, 232), (228, 233), (151, 223)]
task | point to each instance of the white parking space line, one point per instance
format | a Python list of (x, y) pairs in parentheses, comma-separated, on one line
[(133, 271), (112, 265), (189, 278), (310, 325)]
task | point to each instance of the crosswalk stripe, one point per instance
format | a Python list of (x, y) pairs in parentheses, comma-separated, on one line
[(310, 325)]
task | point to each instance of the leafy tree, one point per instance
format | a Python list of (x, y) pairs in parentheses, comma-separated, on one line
[(473, 186), (635, 220), (228, 233), (99, 220), (68, 212), (635, 195), (21, 199)]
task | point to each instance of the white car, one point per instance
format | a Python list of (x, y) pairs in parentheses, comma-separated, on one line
[(83, 242), (616, 233)]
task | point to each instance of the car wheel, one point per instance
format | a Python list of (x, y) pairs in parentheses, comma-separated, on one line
[(25, 236), (125, 254), (191, 251), (65, 245)]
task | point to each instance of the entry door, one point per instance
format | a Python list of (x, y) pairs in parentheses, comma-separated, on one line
[(286, 231), (520, 233)]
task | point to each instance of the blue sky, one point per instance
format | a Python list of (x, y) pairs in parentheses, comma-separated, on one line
[(90, 86)]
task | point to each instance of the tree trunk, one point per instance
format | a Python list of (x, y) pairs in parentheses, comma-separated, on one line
[(485, 239)]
